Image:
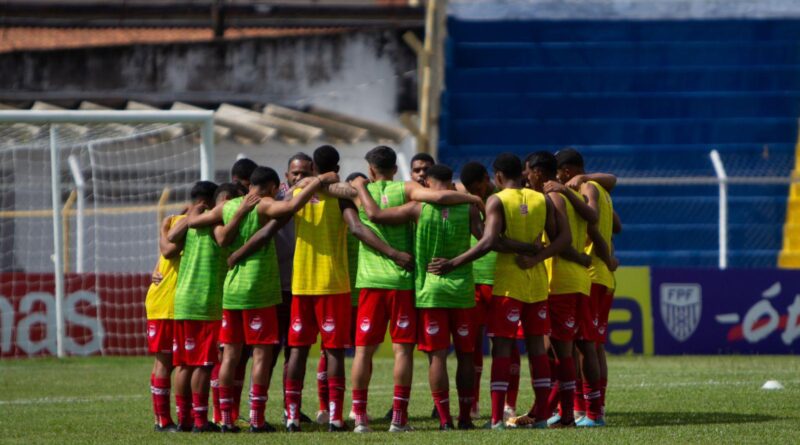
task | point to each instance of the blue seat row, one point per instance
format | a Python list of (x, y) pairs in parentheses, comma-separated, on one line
[(616, 105), (622, 31), (558, 79)]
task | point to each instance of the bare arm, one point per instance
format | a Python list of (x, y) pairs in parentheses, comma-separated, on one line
[(416, 192), (491, 231), (198, 216), (279, 209), (341, 190), (578, 201), (366, 236), (617, 227), (558, 232), (602, 249), (606, 180), (391, 216), (166, 246), (257, 241), (225, 234)]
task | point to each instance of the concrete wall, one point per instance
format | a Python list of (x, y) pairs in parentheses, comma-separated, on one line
[(369, 73)]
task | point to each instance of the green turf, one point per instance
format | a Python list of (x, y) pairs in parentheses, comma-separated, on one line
[(663, 399)]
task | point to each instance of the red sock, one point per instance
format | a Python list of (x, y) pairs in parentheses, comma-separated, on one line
[(226, 404), (566, 383), (322, 382), (153, 396), (442, 401), (466, 398), (183, 407), (258, 402), (553, 398), (336, 387), (360, 406), (238, 387), (577, 399), (540, 377), (215, 393), (161, 401), (402, 394), (499, 387), (200, 409), (477, 360), (292, 396), (591, 395), (513, 379), (603, 386)]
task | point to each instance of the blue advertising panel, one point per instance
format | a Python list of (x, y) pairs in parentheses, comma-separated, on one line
[(706, 311)]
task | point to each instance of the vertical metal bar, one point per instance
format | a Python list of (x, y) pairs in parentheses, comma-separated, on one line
[(58, 235), (207, 151), (722, 179), (80, 186)]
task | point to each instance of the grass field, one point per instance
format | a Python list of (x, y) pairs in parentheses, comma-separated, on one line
[(650, 400)]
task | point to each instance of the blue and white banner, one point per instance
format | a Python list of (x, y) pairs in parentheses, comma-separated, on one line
[(744, 311)]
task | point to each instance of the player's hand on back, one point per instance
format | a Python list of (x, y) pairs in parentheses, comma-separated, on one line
[(478, 202), (403, 259), (156, 278), (586, 260), (440, 266), (613, 264), (359, 182), (525, 261), (250, 201), (554, 187), (329, 178), (232, 260), (576, 182)]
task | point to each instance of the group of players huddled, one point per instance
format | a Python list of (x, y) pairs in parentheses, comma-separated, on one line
[(257, 264)]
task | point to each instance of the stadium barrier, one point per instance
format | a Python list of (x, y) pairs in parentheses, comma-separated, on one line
[(656, 311)]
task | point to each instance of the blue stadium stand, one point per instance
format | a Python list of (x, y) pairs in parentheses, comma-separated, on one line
[(640, 99)]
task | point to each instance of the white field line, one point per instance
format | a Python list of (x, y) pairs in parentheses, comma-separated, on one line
[(387, 389)]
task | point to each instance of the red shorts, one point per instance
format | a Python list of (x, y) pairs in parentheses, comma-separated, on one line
[(606, 301), (564, 315), (328, 315), (483, 300), (195, 343), (436, 326), (506, 314), (159, 336), (377, 307), (589, 314), (250, 326)]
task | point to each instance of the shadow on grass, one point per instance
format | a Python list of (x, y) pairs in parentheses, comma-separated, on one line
[(671, 418)]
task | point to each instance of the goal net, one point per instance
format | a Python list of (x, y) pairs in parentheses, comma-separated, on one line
[(81, 197)]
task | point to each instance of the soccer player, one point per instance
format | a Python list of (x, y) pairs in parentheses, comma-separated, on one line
[(520, 287), (420, 164), (476, 181), (299, 167), (387, 288), (321, 288), (251, 292), (569, 279), (445, 302), (598, 199), (159, 305), (198, 307), (240, 174)]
